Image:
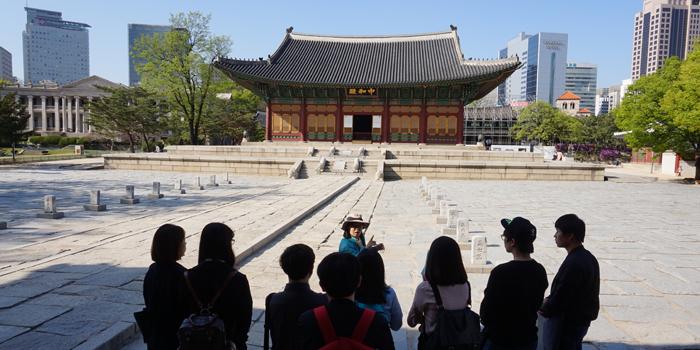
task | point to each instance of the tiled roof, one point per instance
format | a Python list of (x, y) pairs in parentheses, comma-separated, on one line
[(368, 61), (568, 96), (584, 110)]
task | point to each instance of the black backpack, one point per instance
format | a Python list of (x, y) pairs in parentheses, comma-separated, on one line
[(204, 331), (455, 329)]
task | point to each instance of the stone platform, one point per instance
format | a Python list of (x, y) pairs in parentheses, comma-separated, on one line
[(388, 162)]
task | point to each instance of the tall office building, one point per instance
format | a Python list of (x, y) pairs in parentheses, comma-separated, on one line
[(54, 49), (135, 33), (602, 101), (582, 79), (664, 29), (5, 65), (543, 75)]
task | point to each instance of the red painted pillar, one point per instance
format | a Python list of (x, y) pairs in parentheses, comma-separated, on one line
[(303, 122), (386, 123), (339, 127), (268, 123), (423, 125), (460, 125)]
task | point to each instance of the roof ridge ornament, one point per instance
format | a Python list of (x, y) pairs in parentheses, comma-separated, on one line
[(453, 27), (289, 30)]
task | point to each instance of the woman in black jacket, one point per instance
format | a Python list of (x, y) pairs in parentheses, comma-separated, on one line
[(160, 288), (216, 262)]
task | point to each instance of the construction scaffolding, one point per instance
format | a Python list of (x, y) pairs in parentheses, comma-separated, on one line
[(492, 117)]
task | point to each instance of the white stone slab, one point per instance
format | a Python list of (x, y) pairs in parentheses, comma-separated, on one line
[(478, 250)]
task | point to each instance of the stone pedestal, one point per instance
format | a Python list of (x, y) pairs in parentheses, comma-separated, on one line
[(212, 181), (50, 210), (197, 186), (178, 188), (95, 202), (156, 192), (129, 196), (226, 181), (446, 231)]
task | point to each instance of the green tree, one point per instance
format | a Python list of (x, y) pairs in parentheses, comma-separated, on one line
[(599, 130), (13, 121), (127, 111), (660, 109), (540, 121), (177, 63), (230, 118)]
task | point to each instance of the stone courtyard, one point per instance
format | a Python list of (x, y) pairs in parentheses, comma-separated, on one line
[(74, 282)]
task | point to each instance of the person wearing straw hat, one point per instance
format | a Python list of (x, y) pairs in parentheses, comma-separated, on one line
[(353, 241)]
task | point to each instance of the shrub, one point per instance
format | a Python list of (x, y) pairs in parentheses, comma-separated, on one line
[(65, 141), (151, 146), (37, 140), (81, 141), (52, 140)]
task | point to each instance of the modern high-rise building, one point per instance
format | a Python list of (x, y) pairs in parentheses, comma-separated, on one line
[(543, 74), (54, 49), (602, 101), (665, 28), (6, 65), (136, 31), (582, 79)]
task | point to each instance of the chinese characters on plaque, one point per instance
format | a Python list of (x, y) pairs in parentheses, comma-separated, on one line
[(366, 92)]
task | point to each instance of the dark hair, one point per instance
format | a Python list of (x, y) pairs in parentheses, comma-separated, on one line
[(297, 261), (444, 266), (215, 244), (570, 223), (339, 273), (373, 288), (166, 243), (524, 245)]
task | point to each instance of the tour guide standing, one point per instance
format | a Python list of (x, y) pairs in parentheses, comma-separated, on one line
[(354, 237), (514, 292), (573, 302)]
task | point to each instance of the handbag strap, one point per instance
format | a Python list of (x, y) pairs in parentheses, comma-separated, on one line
[(216, 296), (324, 323), (360, 331)]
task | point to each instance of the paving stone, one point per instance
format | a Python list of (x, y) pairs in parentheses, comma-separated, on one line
[(67, 325), (655, 334), (656, 316), (7, 332), (40, 340), (61, 300), (26, 315), (10, 301)]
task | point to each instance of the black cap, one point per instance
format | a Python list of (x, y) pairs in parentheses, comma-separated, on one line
[(520, 228)]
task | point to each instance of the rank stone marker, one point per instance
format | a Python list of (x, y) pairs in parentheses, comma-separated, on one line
[(50, 211), (197, 186), (436, 208), (156, 192), (178, 188), (478, 250), (463, 234), (212, 181), (95, 202), (452, 214), (129, 196), (226, 181), (442, 219)]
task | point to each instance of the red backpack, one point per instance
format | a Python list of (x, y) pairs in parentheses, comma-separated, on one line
[(333, 342)]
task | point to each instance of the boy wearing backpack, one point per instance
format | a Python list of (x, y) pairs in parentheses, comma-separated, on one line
[(342, 322)]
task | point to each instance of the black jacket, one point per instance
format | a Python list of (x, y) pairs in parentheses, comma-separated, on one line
[(512, 297), (234, 306), (344, 315), (160, 293), (284, 310), (575, 290)]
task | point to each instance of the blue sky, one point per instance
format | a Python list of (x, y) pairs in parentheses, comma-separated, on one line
[(600, 31)]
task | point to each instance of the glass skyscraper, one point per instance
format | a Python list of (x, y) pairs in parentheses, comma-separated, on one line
[(135, 33), (54, 49), (543, 74), (6, 65), (582, 80)]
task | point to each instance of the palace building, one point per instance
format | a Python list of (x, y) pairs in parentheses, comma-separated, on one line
[(368, 89)]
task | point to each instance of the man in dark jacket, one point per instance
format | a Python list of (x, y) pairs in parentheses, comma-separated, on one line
[(573, 299), (284, 308), (340, 276)]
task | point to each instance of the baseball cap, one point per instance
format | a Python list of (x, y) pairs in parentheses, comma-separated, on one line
[(520, 228)]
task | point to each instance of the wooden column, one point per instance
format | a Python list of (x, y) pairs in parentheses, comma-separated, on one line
[(460, 125), (339, 125), (423, 125), (268, 122), (386, 123), (303, 121)]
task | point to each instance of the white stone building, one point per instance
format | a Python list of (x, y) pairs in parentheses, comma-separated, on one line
[(58, 109)]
